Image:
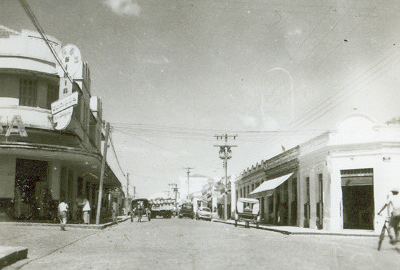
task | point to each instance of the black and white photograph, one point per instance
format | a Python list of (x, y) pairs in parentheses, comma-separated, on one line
[(199, 134)]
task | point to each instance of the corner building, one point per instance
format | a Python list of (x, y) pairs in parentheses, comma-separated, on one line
[(38, 164), (336, 181)]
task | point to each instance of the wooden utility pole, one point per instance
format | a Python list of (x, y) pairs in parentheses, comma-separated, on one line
[(188, 172), (103, 167), (225, 153), (127, 185), (175, 189)]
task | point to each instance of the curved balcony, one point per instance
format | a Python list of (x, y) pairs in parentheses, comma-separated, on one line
[(31, 117), (28, 51)]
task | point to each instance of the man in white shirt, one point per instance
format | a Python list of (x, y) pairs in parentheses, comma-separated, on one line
[(393, 205), (62, 213), (86, 211)]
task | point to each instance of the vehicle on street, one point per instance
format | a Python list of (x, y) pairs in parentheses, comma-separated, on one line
[(163, 207), (247, 210), (203, 213), (140, 207), (186, 210)]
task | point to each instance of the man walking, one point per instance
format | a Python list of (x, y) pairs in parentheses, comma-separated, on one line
[(62, 213), (86, 211), (393, 205)]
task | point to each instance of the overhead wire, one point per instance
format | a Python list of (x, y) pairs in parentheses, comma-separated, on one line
[(115, 155), (36, 23)]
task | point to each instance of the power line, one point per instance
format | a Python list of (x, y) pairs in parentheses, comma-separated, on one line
[(35, 22), (116, 157)]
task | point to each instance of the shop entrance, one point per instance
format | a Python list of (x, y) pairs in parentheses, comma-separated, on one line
[(32, 196), (358, 199)]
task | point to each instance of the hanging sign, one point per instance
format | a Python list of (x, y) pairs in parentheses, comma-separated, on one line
[(64, 103), (62, 110), (63, 118)]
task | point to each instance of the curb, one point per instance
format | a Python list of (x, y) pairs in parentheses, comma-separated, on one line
[(9, 255), (287, 232), (80, 226)]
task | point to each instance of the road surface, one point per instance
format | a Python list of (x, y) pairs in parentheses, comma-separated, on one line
[(190, 244)]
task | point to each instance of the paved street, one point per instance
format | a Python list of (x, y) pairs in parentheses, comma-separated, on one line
[(190, 244)]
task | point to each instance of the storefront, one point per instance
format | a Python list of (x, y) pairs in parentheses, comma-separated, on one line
[(336, 181)]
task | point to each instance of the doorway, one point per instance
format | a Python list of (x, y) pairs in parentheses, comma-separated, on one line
[(358, 199), (31, 189)]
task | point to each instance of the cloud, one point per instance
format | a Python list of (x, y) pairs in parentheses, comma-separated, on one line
[(124, 7), (248, 121)]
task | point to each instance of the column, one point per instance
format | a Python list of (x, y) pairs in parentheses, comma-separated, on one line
[(313, 199), (274, 201), (290, 200), (301, 193)]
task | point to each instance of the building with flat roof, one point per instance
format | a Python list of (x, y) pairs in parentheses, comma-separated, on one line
[(336, 181)]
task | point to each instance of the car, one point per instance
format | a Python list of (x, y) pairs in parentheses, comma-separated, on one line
[(186, 210), (203, 213)]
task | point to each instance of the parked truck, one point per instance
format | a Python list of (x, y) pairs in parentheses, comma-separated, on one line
[(163, 207)]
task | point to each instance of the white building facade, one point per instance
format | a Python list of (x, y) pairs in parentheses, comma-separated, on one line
[(336, 181), (39, 165)]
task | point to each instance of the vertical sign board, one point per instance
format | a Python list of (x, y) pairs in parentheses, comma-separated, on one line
[(62, 109), (65, 87)]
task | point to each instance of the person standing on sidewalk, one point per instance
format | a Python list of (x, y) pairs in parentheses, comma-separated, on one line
[(86, 211), (63, 213), (393, 205)]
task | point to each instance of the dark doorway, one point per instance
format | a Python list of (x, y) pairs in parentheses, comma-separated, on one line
[(31, 188), (358, 207), (358, 199)]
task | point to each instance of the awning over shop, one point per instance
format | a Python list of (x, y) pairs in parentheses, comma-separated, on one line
[(266, 188)]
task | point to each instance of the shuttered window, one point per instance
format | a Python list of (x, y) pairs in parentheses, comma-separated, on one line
[(28, 93)]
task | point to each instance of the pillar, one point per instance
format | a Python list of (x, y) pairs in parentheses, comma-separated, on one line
[(313, 199), (274, 201), (290, 200)]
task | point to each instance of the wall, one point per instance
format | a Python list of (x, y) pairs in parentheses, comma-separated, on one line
[(7, 176)]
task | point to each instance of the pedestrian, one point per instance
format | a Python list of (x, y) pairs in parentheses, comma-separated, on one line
[(62, 213), (393, 205), (114, 211), (140, 211), (86, 211)]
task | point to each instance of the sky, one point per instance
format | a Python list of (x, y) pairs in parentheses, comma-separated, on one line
[(174, 73)]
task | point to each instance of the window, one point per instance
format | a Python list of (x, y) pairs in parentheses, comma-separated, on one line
[(52, 94), (28, 93), (308, 189)]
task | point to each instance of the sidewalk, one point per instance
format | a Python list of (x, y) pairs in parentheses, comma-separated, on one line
[(12, 254), (303, 231), (9, 255), (69, 225)]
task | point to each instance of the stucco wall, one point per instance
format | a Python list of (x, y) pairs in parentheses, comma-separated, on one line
[(7, 176)]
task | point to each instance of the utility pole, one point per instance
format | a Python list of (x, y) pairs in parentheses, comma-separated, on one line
[(127, 201), (103, 166), (134, 191), (225, 153), (127, 185), (188, 172), (175, 189)]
